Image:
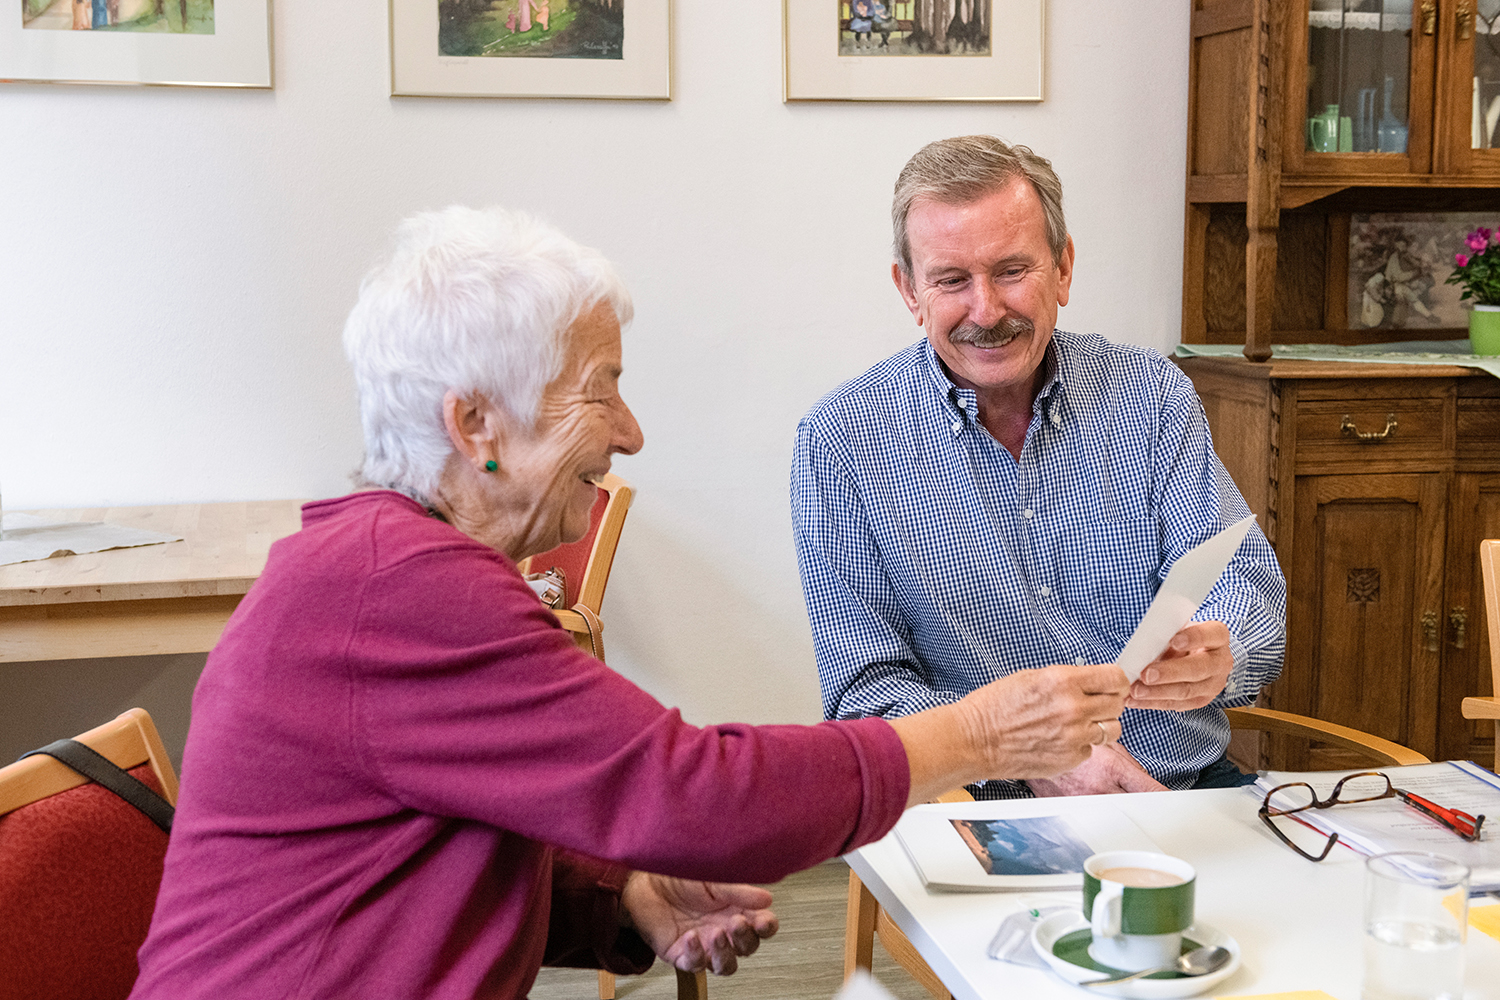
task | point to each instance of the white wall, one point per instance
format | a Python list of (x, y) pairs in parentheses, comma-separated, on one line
[(175, 266)]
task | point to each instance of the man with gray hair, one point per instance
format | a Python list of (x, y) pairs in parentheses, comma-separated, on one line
[(1003, 495)]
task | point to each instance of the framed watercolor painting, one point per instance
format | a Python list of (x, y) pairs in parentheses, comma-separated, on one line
[(912, 50), (531, 48), (181, 43)]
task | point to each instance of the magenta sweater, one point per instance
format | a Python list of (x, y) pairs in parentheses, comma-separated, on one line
[(396, 751)]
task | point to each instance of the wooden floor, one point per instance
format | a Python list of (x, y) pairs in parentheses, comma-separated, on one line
[(805, 960)]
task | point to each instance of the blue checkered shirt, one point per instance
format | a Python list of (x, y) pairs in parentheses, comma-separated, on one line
[(933, 562)]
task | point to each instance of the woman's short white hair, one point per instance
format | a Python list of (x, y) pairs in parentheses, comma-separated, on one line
[(477, 301)]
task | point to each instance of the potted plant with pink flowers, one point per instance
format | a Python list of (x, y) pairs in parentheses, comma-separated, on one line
[(1478, 274)]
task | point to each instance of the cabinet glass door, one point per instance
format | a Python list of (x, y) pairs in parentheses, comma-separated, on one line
[(1358, 75), (1364, 106), (1483, 21), (1469, 34)]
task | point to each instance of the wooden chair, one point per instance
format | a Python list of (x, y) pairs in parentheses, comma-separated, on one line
[(1488, 706), (585, 565), (865, 919), (79, 868), (1378, 752)]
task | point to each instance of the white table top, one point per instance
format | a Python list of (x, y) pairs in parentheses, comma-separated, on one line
[(1298, 923)]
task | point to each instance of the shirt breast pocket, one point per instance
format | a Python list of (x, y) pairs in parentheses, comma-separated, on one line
[(1109, 574)]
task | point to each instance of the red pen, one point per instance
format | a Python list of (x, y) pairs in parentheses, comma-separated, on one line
[(1461, 823)]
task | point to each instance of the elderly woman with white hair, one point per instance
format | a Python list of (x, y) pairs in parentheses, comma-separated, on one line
[(403, 780)]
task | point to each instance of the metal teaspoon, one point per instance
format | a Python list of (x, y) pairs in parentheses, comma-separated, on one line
[(1198, 962)]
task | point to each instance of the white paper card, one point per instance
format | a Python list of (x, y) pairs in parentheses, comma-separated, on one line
[(1188, 582)]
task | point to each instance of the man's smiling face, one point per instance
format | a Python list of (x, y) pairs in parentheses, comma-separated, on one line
[(984, 286)]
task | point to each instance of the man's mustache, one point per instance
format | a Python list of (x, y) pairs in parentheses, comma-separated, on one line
[(999, 335)]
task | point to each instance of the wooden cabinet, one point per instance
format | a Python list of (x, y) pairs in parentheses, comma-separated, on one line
[(1375, 484), (1302, 112)]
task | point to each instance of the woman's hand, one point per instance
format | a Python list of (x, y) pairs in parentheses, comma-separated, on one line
[(1029, 724), (698, 925)]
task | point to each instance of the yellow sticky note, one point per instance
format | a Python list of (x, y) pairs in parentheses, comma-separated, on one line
[(1294, 995), (1486, 919)]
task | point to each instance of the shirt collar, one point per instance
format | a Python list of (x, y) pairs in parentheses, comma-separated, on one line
[(963, 405)]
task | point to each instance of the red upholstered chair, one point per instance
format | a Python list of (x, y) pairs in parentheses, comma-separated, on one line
[(79, 868), (586, 564)]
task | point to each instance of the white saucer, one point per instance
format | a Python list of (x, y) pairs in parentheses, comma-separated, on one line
[(1047, 932)]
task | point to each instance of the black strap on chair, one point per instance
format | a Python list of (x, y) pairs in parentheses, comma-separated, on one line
[(106, 774)]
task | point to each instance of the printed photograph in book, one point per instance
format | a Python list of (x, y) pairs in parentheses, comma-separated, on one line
[(532, 29), (1041, 845), (182, 17), (913, 27)]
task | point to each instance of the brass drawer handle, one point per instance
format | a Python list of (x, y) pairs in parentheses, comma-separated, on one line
[(1348, 428), (1459, 618), (1465, 15), (1430, 630), (1429, 17)]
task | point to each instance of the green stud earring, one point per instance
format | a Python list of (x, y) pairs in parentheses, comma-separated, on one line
[(490, 466)]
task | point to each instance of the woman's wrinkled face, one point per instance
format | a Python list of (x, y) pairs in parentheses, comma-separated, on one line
[(580, 423)]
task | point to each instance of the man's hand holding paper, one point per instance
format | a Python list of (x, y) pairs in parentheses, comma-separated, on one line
[(1189, 673)]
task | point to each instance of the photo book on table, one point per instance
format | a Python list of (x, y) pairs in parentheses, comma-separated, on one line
[(971, 847)]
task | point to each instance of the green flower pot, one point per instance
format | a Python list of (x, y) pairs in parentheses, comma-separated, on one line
[(1484, 330)]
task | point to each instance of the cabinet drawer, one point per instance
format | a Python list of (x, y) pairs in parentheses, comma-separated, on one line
[(1372, 428), (1479, 431)]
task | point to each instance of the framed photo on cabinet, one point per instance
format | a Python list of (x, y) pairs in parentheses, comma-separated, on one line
[(912, 50), (168, 43), (531, 48)]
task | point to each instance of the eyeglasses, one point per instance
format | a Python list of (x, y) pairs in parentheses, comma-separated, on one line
[(1366, 786)]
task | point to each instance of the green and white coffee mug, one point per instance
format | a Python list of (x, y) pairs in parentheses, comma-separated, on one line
[(1139, 903)]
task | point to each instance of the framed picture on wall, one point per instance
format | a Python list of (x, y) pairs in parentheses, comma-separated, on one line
[(174, 43), (531, 48), (912, 50)]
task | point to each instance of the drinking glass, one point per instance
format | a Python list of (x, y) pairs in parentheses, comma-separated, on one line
[(1416, 913)]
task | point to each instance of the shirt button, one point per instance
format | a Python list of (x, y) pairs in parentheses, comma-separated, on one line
[(1045, 591), (1056, 419), (958, 425), (1027, 513)]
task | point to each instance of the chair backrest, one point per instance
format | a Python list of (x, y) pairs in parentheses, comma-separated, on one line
[(1373, 750), (586, 563), (79, 868), (1489, 568)]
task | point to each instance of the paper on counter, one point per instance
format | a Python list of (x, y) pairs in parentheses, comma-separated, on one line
[(1188, 582), (29, 538)]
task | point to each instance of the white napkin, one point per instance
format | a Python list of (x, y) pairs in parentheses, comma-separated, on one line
[(862, 986)]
